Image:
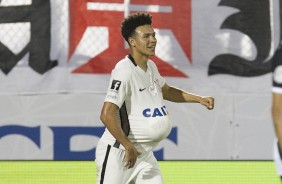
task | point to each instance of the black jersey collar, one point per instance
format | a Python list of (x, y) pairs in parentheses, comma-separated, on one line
[(132, 59)]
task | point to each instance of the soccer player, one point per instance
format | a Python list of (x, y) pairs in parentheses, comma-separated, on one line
[(134, 113), (277, 107)]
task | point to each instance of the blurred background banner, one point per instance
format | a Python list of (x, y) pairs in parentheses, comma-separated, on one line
[(56, 58)]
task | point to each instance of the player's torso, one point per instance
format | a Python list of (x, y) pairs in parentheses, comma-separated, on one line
[(147, 114), (145, 94), (141, 93)]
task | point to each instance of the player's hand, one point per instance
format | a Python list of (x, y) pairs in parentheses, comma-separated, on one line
[(130, 157), (208, 102)]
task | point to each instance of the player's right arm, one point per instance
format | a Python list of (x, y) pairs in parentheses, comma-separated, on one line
[(109, 116)]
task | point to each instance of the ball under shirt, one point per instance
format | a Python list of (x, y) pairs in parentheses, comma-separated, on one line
[(138, 94)]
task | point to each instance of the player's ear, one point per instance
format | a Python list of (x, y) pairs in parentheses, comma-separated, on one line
[(131, 41)]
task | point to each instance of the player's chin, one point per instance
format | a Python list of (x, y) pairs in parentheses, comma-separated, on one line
[(151, 53)]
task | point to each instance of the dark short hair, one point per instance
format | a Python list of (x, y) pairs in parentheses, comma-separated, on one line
[(133, 21)]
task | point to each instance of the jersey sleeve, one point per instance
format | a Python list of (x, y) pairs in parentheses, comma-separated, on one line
[(118, 87), (277, 71)]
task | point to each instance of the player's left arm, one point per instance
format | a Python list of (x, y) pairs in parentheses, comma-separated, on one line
[(277, 115), (177, 95)]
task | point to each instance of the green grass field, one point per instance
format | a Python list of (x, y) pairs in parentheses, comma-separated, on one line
[(175, 172)]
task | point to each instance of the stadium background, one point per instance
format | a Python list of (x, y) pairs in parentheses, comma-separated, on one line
[(56, 58)]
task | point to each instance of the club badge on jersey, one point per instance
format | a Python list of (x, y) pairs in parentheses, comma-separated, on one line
[(155, 87)]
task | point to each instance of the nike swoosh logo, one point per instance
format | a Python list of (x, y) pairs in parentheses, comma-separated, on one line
[(142, 89)]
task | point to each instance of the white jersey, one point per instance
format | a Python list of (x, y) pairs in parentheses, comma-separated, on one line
[(277, 88), (138, 94)]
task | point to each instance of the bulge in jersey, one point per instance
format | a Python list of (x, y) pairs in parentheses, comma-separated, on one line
[(141, 92)]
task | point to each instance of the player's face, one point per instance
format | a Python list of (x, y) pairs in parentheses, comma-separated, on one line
[(144, 40)]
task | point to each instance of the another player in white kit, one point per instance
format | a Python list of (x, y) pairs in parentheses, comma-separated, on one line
[(134, 112), (277, 107)]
